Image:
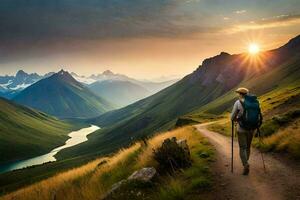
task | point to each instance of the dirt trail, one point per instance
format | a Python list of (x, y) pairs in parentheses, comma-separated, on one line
[(281, 181)]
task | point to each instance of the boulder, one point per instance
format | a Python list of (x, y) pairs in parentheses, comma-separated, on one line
[(145, 174)]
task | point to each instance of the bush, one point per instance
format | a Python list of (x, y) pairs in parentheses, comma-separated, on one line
[(172, 156)]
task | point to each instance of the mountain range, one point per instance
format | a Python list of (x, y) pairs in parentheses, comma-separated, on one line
[(208, 91), (113, 87), (120, 89), (62, 96), (12, 85)]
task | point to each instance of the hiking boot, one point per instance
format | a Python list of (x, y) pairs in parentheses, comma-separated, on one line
[(246, 170)]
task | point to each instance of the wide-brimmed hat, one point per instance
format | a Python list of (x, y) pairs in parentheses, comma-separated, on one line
[(242, 90)]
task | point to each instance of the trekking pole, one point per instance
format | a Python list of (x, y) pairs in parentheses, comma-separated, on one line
[(261, 153), (232, 136)]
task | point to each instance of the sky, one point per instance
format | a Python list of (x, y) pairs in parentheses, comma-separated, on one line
[(144, 39)]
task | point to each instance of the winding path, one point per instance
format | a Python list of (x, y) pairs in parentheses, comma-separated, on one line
[(281, 180)]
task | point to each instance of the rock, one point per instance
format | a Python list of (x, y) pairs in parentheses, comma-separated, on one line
[(183, 144), (145, 174), (116, 186)]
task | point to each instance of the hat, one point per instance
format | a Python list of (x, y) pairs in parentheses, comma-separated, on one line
[(242, 90)]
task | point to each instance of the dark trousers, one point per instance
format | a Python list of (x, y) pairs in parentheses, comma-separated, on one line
[(245, 139)]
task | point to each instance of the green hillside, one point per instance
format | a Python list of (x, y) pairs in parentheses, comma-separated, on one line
[(207, 91), (25, 132), (272, 84), (62, 96)]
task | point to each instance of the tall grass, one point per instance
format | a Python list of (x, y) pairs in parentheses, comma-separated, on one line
[(93, 180), (285, 140), (76, 183)]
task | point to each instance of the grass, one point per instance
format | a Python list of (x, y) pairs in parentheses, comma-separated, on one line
[(93, 180), (286, 140), (17, 179), (26, 133), (173, 189), (222, 126), (273, 124)]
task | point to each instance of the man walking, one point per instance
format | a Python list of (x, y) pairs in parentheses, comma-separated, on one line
[(246, 113)]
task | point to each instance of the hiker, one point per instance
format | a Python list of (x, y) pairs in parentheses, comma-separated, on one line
[(246, 114)]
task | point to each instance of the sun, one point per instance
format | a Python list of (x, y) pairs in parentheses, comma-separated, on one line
[(253, 48)]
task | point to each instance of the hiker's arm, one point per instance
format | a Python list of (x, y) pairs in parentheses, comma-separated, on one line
[(234, 112)]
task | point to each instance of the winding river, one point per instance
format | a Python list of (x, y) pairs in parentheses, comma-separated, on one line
[(76, 137)]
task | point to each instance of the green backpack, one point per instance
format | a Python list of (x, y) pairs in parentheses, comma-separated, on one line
[(252, 117)]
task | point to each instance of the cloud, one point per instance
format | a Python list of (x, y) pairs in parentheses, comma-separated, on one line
[(91, 19), (266, 23), (38, 25), (240, 11)]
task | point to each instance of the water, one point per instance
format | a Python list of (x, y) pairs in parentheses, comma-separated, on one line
[(77, 137)]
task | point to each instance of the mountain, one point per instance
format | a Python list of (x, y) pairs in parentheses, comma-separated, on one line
[(120, 93), (279, 84), (10, 86), (83, 79), (121, 89), (62, 96), (215, 79), (108, 75), (25, 132)]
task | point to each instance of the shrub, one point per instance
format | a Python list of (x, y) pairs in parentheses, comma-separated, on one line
[(172, 156)]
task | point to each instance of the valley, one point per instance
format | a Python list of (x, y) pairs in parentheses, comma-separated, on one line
[(41, 124), (75, 138)]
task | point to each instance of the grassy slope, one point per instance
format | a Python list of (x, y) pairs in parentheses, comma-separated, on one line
[(62, 96), (279, 95), (283, 77), (94, 179), (25, 132)]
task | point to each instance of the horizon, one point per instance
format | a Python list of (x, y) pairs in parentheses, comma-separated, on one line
[(159, 78), (141, 39)]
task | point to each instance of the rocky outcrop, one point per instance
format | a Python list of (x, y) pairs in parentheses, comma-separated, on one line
[(145, 174), (142, 176)]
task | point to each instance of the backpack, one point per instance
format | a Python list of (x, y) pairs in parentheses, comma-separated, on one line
[(252, 117)]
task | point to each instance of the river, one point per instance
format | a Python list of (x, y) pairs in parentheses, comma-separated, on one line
[(76, 137)]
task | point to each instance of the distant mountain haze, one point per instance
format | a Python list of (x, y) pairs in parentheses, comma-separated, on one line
[(62, 96), (118, 92)]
